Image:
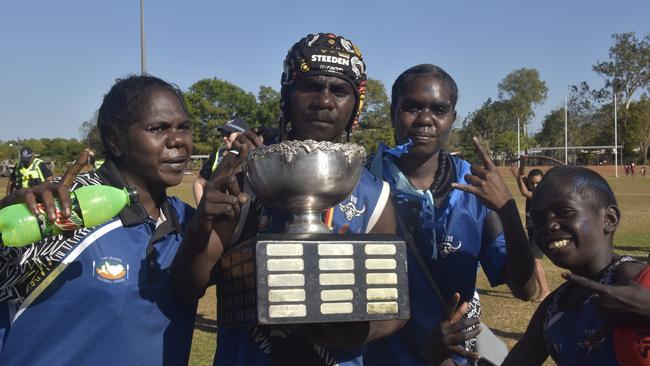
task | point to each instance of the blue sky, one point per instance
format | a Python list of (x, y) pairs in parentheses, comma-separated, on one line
[(58, 58)]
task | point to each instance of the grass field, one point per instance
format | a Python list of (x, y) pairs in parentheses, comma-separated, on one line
[(506, 316)]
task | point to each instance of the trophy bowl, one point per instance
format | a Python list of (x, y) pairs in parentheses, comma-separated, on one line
[(304, 178)]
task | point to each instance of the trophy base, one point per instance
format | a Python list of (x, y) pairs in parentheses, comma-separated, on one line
[(313, 278)]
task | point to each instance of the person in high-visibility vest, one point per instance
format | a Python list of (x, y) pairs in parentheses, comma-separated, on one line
[(229, 131), (98, 163), (29, 171)]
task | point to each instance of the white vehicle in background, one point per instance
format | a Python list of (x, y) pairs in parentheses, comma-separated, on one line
[(6, 166)]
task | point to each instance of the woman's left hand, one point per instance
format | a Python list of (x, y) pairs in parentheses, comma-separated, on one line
[(486, 182)]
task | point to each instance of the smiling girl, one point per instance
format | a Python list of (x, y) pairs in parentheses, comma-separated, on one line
[(574, 216)]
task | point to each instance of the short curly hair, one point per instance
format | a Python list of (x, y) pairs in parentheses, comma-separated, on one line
[(589, 185)]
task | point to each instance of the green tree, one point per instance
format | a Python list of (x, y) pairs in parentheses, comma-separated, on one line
[(638, 129), (463, 142), (626, 72), (582, 116), (375, 121), (9, 150), (90, 136), (454, 140), (552, 132), (268, 107), (492, 119), (61, 150), (524, 89), (589, 123), (504, 146), (495, 122), (590, 116), (628, 68), (376, 113), (212, 102)]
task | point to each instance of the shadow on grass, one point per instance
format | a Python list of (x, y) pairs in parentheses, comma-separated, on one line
[(495, 293), (205, 324), (512, 335)]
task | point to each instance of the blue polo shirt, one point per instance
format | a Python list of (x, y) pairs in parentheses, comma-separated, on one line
[(102, 296), (461, 245)]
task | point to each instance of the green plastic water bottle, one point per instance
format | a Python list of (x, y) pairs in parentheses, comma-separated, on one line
[(91, 206)]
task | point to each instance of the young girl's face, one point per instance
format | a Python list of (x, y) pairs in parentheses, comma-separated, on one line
[(533, 182), (567, 228)]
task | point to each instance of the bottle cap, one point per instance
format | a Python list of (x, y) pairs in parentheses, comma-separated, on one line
[(134, 197)]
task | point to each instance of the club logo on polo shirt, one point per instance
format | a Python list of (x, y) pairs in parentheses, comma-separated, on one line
[(350, 209), (111, 270), (449, 246)]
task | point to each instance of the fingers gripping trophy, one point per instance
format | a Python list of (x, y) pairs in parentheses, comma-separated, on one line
[(302, 270)]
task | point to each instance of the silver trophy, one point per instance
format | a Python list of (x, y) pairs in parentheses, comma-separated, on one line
[(304, 178), (306, 274)]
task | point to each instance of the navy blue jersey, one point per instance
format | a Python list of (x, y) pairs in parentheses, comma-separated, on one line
[(101, 296), (241, 346), (461, 245), (565, 330)]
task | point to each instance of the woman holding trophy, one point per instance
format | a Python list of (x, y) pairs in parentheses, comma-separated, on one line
[(323, 88)]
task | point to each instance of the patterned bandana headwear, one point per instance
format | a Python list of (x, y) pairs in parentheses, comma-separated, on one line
[(324, 54)]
